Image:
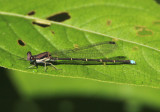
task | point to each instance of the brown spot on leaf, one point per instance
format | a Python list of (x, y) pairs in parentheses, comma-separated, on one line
[(139, 27), (60, 17), (109, 22), (143, 32), (52, 32), (135, 48), (31, 13), (21, 42), (76, 46), (156, 22)]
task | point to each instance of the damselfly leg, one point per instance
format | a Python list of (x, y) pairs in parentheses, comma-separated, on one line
[(49, 63), (34, 64)]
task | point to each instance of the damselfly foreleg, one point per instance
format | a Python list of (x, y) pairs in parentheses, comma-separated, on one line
[(32, 66)]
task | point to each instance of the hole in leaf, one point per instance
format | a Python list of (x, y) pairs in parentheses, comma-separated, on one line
[(21, 43), (144, 32), (31, 13), (158, 1), (109, 22), (156, 22), (60, 17), (41, 23)]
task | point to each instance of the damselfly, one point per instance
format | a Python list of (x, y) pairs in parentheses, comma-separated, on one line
[(91, 52)]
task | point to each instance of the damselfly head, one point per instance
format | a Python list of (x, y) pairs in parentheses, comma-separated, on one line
[(29, 55)]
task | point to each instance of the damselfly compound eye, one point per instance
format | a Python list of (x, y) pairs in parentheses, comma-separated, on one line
[(29, 55)]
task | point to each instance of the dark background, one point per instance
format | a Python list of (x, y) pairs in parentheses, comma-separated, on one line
[(11, 101)]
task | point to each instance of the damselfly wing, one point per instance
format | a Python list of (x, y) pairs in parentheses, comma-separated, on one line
[(97, 50)]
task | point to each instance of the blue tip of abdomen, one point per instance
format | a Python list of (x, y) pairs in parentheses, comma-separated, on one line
[(132, 62)]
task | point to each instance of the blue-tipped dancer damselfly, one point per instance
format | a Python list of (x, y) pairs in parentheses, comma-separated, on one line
[(84, 53)]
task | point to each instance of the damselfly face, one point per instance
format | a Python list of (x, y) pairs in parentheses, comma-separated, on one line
[(29, 56)]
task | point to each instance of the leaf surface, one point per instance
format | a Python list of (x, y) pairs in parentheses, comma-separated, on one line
[(133, 25)]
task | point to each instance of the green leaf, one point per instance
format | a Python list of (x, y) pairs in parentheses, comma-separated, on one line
[(133, 24), (82, 29)]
